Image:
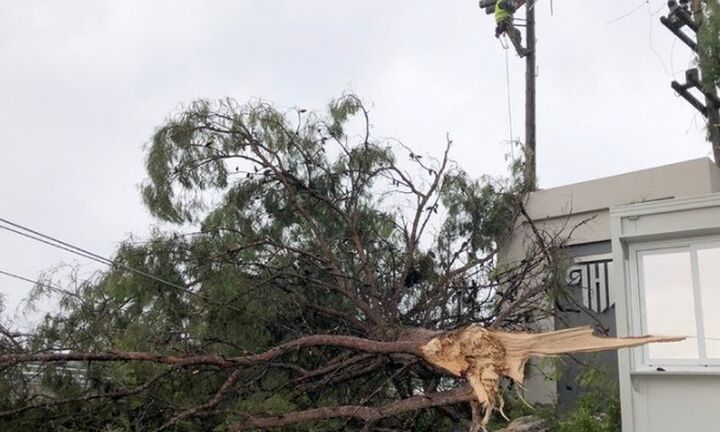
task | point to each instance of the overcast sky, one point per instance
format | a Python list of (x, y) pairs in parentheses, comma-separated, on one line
[(84, 83)]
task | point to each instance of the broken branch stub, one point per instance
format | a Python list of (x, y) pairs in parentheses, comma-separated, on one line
[(483, 356)]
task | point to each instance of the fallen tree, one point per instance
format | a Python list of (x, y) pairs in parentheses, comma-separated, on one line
[(328, 286), (479, 355)]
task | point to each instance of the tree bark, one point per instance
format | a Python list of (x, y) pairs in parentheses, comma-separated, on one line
[(365, 413), (351, 342), (481, 356)]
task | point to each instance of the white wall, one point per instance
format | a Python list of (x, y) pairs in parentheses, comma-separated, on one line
[(564, 208), (672, 399), (674, 403)]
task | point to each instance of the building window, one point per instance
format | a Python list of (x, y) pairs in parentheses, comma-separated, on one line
[(679, 295), (709, 280)]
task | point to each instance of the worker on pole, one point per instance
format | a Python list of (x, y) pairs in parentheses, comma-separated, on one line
[(504, 10)]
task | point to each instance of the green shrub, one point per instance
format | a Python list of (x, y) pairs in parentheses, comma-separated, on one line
[(597, 409)]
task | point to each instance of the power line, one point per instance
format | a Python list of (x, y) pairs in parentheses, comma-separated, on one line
[(32, 281), (68, 249), (24, 228), (509, 103), (625, 15), (57, 243), (651, 45)]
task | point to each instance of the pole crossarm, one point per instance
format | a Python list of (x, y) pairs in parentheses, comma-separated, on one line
[(692, 81), (675, 26), (681, 16), (692, 76), (682, 90)]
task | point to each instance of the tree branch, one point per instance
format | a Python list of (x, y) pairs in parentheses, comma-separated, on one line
[(112, 395), (350, 342), (365, 413)]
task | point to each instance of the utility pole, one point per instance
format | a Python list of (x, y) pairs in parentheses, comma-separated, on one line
[(679, 18), (530, 172), (530, 75), (711, 106)]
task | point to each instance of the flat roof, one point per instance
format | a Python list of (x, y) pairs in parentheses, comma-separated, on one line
[(681, 179)]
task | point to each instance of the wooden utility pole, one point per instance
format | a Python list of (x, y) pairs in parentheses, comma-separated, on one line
[(530, 174), (530, 131), (711, 106), (677, 20)]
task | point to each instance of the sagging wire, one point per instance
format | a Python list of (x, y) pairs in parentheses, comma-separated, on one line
[(509, 99)]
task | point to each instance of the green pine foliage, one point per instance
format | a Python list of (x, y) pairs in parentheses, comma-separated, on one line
[(263, 211)]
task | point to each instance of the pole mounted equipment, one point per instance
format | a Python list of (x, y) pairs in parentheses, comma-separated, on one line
[(687, 14)]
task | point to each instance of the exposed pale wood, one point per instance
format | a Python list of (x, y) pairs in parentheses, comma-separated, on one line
[(480, 355), (483, 356)]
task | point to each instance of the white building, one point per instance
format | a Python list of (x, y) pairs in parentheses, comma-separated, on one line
[(647, 261)]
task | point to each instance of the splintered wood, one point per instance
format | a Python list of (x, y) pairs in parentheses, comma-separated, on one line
[(483, 356)]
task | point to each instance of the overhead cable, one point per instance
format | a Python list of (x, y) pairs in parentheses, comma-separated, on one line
[(32, 281), (57, 243)]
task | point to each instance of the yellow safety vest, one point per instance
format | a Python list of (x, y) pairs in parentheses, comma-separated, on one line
[(500, 13)]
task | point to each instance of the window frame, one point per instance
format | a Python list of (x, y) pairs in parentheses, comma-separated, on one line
[(638, 321)]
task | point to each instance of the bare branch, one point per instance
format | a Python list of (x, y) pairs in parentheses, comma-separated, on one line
[(365, 413), (227, 385), (350, 342)]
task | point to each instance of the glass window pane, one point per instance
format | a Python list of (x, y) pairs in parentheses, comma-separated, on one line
[(669, 303), (709, 275)]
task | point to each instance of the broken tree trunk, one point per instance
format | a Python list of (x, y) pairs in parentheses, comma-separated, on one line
[(483, 356), (480, 355)]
